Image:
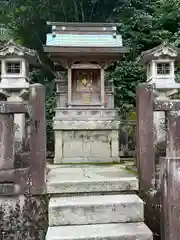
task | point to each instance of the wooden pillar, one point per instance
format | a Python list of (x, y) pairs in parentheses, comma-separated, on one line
[(69, 86), (170, 180), (61, 92), (102, 85), (173, 134), (38, 138), (145, 137), (3, 67)]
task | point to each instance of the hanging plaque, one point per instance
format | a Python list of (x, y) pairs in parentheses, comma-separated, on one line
[(86, 97)]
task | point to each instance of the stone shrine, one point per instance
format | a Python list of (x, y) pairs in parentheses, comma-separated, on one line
[(86, 123), (14, 75), (160, 63)]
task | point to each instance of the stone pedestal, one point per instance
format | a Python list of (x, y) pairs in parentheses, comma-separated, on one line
[(19, 120), (159, 123), (86, 135), (159, 117), (159, 120), (16, 61)]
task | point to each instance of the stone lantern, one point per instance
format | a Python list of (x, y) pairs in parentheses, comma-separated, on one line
[(160, 63), (86, 123), (14, 75)]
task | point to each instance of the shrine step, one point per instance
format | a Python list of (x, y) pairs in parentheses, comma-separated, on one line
[(80, 210), (90, 179), (120, 231)]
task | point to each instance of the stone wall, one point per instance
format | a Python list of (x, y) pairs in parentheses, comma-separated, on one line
[(23, 217)]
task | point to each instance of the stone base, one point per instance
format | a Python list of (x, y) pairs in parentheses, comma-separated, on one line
[(86, 141), (88, 160), (90, 113), (120, 231)]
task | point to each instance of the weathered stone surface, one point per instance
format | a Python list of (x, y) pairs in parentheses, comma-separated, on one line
[(88, 125), (95, 210), (84, 179), (16, 211), (86, 159), (85, 113), (121, 231), (86, 145), (7, 189)]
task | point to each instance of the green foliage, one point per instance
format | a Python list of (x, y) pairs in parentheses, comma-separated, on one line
[(144, 24), (126, 76), (5, 33)]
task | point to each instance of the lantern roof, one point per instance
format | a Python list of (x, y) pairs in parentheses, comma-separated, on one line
[(164, 50), (13, 49)]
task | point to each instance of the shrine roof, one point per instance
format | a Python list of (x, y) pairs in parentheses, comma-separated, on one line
[(84, 40), (77, 27)]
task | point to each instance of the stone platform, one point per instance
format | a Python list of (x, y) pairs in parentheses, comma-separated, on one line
[(94, 202), (65, 179)]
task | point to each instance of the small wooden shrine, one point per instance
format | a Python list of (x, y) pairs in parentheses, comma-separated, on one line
[(84, 97)]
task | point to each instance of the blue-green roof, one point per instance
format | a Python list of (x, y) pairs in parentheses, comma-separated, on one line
[(84, 40)]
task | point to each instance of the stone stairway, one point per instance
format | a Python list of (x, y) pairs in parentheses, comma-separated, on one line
[(94, 202)]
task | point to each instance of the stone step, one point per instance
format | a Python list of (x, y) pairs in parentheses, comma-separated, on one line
[(95, 210), (88, 179), (121, 231)]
